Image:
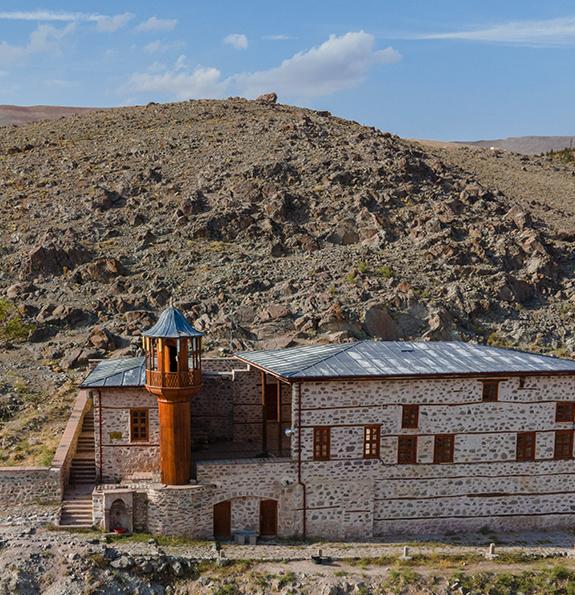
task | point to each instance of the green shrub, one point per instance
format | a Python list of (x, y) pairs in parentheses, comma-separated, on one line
[(12, 327), (385, 271)]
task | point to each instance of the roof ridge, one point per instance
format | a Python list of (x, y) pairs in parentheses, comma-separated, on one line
[(320, 361)]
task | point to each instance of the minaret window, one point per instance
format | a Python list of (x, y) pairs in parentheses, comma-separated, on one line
[(172, 358)]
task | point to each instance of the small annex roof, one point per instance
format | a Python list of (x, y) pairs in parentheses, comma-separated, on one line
[(127, 371), (172, 324), (393, 359)]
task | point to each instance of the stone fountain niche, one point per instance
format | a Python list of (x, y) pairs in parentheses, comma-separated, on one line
[(119, 510)]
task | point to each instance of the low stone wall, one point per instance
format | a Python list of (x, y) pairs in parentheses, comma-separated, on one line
[(29, 485), (45, 485), (67, 448)]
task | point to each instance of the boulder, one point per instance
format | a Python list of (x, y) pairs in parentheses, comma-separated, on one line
[(267, 98), (100, 270), (52, 259), (379, 323), (101, 338)]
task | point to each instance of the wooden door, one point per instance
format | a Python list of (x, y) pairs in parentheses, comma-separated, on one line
[(268, 518), (223, 520)]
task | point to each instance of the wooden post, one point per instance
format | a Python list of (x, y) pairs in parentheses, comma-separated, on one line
[(280, 435), (264, 420), (175, 442)]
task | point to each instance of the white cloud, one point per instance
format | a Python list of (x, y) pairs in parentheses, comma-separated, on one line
[(179, 82), (156, 24), (550, 32), (111, 24), (237, 40), (45, 39), (158, 47), (279, 37), (338, 63), (103, 22)]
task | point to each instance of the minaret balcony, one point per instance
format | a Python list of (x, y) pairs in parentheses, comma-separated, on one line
[(187, 381)]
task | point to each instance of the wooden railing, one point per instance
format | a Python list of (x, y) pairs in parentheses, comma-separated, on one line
[(173, 379)]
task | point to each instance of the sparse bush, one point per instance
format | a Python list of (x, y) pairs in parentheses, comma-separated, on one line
[(385, 271), (12, 327), (361, 266)]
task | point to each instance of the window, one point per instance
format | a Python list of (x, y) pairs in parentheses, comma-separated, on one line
[(139, 425), (407, 450), (321, 440), (410, 416), (526, 446), (371, 440), (443, 450), (564, 411), (271, 396), (564, 444), (490, 390)]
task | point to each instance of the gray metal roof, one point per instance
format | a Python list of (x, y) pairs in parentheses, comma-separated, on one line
[(398, 358), (171, 325), (128, 371)]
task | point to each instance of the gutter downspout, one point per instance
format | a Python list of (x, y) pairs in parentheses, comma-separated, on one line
[(299, 481)]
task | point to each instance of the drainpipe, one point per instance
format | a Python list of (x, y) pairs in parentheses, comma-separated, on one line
[(299, 481)]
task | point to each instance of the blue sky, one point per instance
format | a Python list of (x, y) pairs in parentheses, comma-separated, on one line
[(444, 69)]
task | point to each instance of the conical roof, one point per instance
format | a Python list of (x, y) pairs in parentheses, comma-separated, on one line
[(172, 324)]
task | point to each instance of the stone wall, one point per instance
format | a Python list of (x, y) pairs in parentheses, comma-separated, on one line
[(28, 485), (117, 456), (484, 486)]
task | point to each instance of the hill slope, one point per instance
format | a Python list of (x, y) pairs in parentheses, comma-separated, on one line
[(527, 145), (270, 226), (20, 114)]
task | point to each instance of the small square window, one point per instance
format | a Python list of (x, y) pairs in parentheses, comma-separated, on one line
[(526, 446), (371, 441), (321, 443), (407, 450), (564, 411), (444, 446), (410, 416), (490, 391), (563, 444), (139, 425)]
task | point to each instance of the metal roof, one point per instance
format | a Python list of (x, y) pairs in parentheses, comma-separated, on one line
[(171, 325), (397, 358), (128, 371)]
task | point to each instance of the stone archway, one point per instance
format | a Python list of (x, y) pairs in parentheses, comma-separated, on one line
[(119, 515)]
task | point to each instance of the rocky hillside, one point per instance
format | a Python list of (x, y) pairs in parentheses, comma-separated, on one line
[(24, 114), (528, 145), (268, 225)]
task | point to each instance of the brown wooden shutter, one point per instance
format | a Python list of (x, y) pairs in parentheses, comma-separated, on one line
[(526, 446), (563, 444), (410, 416), (443, 448), (407, 450)]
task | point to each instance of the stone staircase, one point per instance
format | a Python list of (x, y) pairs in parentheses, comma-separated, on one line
[(76, 508)]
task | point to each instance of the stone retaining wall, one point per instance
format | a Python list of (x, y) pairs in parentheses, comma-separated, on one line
[(29, 485)]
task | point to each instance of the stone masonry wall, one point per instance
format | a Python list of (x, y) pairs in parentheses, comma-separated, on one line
[(28, 485), (117, 456), (484, 486)]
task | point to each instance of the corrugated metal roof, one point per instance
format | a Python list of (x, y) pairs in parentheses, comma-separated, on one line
[(172, 324), (129, 371), (398, 358)]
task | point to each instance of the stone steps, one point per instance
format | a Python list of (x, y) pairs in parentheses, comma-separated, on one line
[(76, 509)]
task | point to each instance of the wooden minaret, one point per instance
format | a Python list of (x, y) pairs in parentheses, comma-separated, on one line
[(174, 374)]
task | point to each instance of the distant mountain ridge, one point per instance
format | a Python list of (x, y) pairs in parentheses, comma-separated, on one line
[(24, 114), (527, 145)]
